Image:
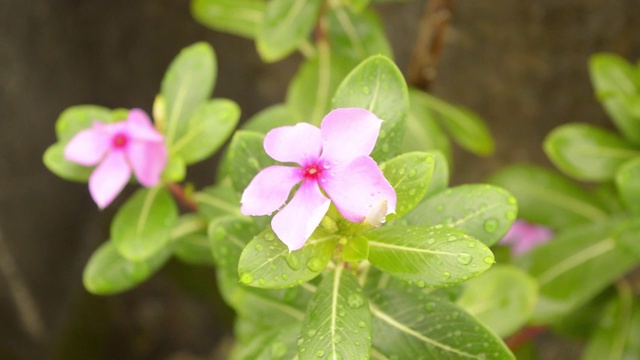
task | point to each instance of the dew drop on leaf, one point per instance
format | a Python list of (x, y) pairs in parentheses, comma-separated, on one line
[(362, 324), (314, 264), (489, 260), (261, 281), (293, 261), (464, 258), (246, 278), (258, 247), (320, 353), (491, 225), (355, 301), (446, 275)]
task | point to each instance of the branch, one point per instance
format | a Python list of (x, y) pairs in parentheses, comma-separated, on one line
[(180, 195)]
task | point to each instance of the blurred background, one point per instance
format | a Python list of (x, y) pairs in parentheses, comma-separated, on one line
[(521, 65)]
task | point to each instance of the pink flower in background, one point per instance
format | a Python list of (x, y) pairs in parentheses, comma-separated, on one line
[(334, 159), (524, 236), (117, 149)]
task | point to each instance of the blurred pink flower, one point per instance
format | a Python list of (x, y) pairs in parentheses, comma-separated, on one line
[(117, 149), (334, 159), (524, 236)]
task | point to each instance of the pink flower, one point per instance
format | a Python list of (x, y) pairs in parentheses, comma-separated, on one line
[(524, 236), (334, 160), (117, 149)]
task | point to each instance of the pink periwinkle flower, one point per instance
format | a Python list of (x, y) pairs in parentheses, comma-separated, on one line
[(117, 149), (524, 236), (333, 160)]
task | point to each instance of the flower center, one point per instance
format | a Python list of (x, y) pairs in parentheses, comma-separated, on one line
[(312, 171), (120, 141)]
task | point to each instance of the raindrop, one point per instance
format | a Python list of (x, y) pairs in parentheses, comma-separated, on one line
[(511, 200), (412, 192), (489, 260), (314, 264), (320, 353), (293, 261), (261, 281), (431, 241), (421, 284), (412, 172), (446, 275), (511, 215), (362, 324), (246, 278), (355, 301), (472, 244), (366, 90), (269, 236), (285, 276), (491, 225), (385, 148), (311, 333), (464, 258)]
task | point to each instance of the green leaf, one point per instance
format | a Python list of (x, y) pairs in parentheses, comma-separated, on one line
[(410, 175), (228, 236), (209, 127), (107, 272), (267, 263), (337, 324), (503, 298), (54, 160), (378, 86), (467, 129), (547, 198), (618, 334), (246, 157), (586, 152), (427, 256), (187, 84), (561, 266), (175, 170), (191, 243), (356, 36), (270, 343), (284, 26), (616, 85), (216, 201), (80, 117), (309, 92), (356, 249), (406, 326), (357, 5), (142, 226), (272, 117), (485, 212), (628, 185), (423, 131), (440, 177), (239, 17)]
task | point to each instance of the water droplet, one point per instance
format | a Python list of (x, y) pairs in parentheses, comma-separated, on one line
[(293, 261), (472, 244), (412, 192), (320, 353), (431, 241), (258, 247), (366, 90), (511, 200), (362, 324), (220, 234), (446, 275), (452, 238), (355, 301), (511, 215), (412, 173), (314, 264), (491, 225), (342, 313), (385, 148), (272, 267), (261, 281), (489, 260), (464, 258), (421, 284), (285, 276), (246, 278), (337, 339), (269, 236), (429, 307)]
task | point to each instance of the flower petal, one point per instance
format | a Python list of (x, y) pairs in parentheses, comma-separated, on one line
[(348, 133), (297, 143), (524, 236), (295, 223), (269, 189), (109, 178), (88, 146), (358, 188), (148, 160), (139, 127)]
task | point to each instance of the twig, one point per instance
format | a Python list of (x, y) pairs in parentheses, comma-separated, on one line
[(30, 318), (429, 43), (180, 195)]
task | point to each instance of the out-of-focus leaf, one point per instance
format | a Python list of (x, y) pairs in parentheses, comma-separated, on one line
[(54, 160), (423, 131), (272, 117), (191, 243), (80, 117), (217, 201), (356, 36), (246, 157), (628, 184), (239, 17)]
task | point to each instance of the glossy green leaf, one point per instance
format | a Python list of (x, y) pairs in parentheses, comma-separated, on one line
[(285, 25), (378, 86), (547, 198), (586, 152), (427, 256), (191, 243), (483, 211), (356, 249), (246, 157), (267, 263), (423, 131), (410, 175), (80, 117), (406, 326), (618, 334), (216, 201), (575, 266), (277, 341), (141, 227), (54, 160), (187, 84), (272, 117), (175, 170), (228, 236), (337, 324), (107, 272), (628, 184), (239, 17), (208, 128), (309, 92), (440, 177), (356, 35), (503, 298), (616, 83), (467, 129)]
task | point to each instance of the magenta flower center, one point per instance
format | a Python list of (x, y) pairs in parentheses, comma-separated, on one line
[(120, 141), (313, 171)]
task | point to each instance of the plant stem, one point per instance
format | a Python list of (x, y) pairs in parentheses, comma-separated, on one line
[(179, 194)]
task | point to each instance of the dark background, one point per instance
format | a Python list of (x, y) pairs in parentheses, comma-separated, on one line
[(521, 65)]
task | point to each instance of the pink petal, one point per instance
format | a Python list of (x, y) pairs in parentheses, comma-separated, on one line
[(348, 133), (109, 178), (88, 146), (148, 160), (358, 188), (269, 190), (298, 143), (524, 236), (295, 223), (139, 127)]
